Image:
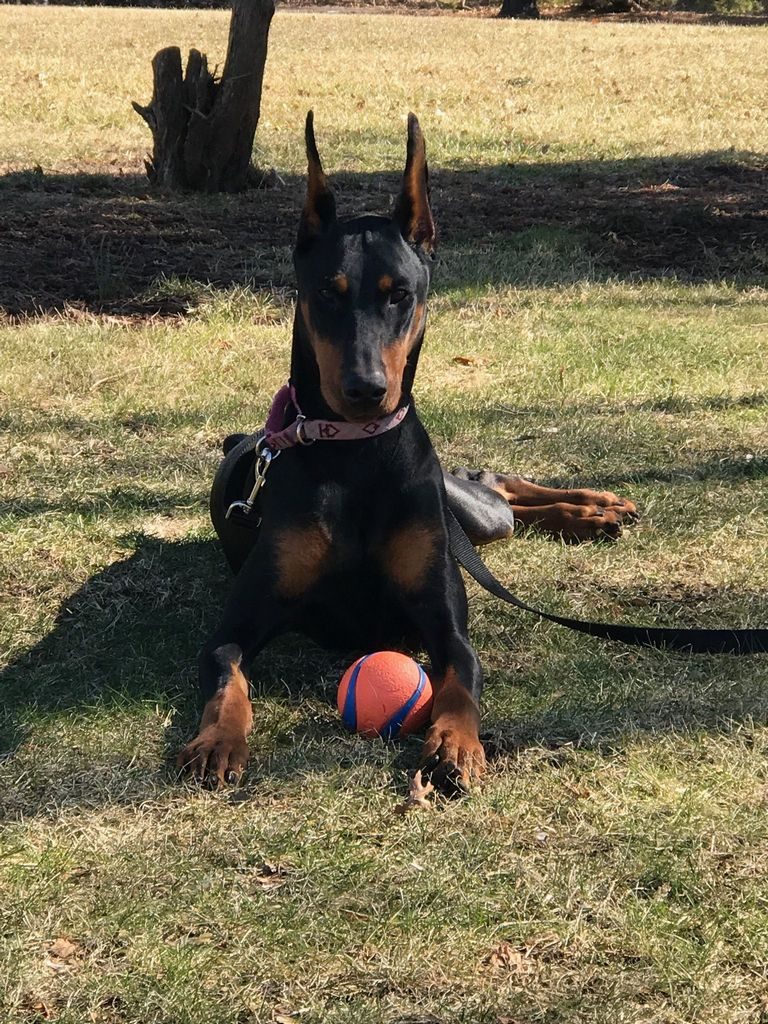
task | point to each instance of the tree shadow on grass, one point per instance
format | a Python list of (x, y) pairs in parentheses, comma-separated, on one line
[(107, 501), (111, 244), (588, 424)]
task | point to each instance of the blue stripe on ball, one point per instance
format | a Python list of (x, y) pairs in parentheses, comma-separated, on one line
[(349, 714), (392, 729)]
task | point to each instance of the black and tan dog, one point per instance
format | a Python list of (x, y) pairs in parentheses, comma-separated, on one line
[(353, 549)]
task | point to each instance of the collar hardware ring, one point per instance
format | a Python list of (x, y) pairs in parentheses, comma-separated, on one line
[(301, 436)]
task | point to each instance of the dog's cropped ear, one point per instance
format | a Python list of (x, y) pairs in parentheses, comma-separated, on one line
[(412, 211), (320, 206)]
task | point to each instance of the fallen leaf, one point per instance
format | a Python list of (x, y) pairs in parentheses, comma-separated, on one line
[(282, 1014), (270, 875), (578, 791), (513, 959), (418, 791), (76, 873), (465, 360), (63, 949), (41, 1008)]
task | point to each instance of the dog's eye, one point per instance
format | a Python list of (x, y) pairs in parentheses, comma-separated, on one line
[(397, 295), (327, 294)]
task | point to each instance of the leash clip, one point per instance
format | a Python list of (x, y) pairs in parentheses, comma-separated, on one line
[(263, 462)]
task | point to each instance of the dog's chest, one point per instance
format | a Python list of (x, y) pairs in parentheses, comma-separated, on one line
[(350, 569)]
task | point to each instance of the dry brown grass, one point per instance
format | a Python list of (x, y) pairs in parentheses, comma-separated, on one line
[(486, 91)]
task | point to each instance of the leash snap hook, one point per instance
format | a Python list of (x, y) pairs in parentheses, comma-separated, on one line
[(263, 462)]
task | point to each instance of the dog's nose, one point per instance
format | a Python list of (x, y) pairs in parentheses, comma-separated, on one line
[(359, 390)]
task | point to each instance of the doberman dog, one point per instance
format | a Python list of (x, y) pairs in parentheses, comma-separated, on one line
[(352, 549)]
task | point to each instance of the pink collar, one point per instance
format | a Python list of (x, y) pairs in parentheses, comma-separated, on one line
[(303, 431)]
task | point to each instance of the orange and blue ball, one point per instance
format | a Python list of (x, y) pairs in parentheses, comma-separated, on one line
[(385, 694)]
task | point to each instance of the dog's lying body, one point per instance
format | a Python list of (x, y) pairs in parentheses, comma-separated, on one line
[(353, 548)]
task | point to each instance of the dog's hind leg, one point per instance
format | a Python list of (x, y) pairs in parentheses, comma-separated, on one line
[(484, 515), (477, 499)]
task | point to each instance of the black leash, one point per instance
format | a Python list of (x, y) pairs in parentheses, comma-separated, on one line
[(693, 641)]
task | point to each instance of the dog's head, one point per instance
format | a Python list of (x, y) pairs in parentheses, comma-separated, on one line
[(363, 287)]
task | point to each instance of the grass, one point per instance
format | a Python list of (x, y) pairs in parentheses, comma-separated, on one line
[(624, 90), (612, 868)]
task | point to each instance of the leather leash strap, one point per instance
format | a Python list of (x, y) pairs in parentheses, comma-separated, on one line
[(692, 641)]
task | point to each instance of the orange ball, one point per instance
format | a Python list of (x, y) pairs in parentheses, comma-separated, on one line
[(385, 694)]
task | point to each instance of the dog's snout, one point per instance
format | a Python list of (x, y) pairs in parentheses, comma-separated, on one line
[(365, 389)]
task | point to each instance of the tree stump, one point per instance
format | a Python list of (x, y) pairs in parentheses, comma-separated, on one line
[(203, 129)]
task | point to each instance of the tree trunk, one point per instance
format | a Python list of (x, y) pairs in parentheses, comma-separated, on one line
[(518, 9), (203, 130)]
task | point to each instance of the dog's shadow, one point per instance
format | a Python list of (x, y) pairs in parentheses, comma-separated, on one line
[(121, 647), (96, 712)]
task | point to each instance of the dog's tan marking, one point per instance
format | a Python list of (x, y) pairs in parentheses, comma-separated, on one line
[(319, 203), (454, 733), (412, 208), (395, 356), (408, 554), (519, 491), (219, 752), (231, 704), (571, 522), (341, 283), (385, 283), (301, 555), (328, 358)]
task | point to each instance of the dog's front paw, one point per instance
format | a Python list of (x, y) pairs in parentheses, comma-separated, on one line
[(453, 756), (216, 756)]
